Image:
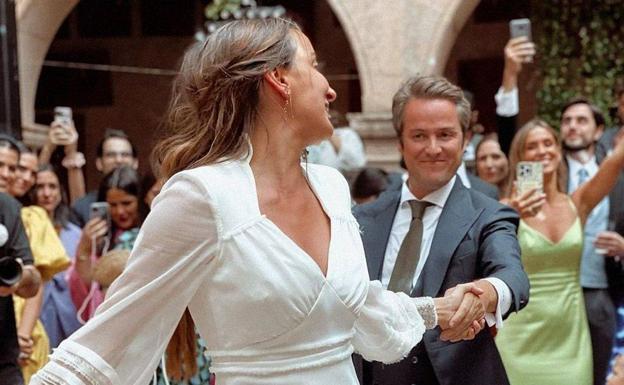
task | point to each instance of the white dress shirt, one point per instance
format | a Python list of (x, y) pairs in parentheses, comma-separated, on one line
[(463, 175), (351, 155), (507, 103), (431, 217)]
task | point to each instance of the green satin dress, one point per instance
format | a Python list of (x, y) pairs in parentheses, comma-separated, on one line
[(548, 342)]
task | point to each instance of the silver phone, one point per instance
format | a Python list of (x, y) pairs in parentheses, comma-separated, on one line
[(520, 27), (100, 210), (63, 114)]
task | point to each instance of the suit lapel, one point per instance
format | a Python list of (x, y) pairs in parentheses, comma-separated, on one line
[(376, 238), (456, 218)]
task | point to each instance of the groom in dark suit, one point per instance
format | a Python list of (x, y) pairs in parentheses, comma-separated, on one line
[(431, 233)]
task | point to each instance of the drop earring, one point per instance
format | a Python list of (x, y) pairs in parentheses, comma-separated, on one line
[(285, 108), (287, 104)]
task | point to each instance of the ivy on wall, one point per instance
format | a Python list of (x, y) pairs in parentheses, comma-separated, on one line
[(581, 52), (214, 10)]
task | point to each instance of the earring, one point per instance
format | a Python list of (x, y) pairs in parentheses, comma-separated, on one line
[(285, 108), (287, 103)]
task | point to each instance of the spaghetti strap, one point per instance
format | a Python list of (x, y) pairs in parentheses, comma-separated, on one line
[(572, 205)]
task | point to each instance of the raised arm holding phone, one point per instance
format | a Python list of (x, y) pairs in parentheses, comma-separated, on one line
[(63, 133)]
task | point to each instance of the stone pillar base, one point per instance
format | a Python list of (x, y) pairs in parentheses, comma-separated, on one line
[(379, 137)]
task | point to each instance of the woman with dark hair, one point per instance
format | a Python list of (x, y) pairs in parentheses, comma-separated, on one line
[(151, 186), (121, 190), (58, 312), (551, 332), (262, 250)]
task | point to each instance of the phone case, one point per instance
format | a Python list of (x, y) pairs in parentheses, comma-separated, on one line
[(529, 175), (520, 27)]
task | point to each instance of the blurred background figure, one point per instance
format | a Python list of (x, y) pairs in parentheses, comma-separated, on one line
[(343, 151), (151, 186), (114, 150), (492, 164), (58, 312), (368, 184), (474, 134), (121, 189)]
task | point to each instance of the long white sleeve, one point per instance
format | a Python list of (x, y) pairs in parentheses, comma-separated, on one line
[(390, 324), (124, 341)]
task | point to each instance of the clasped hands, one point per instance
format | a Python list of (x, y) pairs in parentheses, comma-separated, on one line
[(461, 312)]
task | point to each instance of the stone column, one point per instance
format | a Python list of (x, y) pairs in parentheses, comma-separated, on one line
[(392, 41), (37, 23)]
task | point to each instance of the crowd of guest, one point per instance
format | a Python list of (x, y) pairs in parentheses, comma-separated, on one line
[(570, 233), (571, 230), (80, 241)]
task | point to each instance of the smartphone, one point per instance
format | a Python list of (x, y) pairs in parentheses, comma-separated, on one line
[(520, 27), (100, 210), (529, 176), (63, 115)]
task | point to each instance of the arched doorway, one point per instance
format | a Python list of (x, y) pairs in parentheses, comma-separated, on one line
[(388, 43)]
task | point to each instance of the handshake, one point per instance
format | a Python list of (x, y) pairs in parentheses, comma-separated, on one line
[(461, 312)]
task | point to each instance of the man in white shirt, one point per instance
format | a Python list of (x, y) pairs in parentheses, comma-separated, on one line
[(463, 236), (582, 125), (344, 151)]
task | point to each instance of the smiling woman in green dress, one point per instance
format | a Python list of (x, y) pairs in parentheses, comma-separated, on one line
[(549, 342)]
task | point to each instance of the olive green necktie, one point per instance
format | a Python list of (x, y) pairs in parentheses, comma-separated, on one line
[(409, 252)]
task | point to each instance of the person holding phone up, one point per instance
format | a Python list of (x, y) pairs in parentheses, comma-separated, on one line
[(114, 224), (552, 333), (62, 133)]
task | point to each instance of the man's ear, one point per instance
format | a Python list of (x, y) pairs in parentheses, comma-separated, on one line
[(98, 164), (135, 164), (278, 81)]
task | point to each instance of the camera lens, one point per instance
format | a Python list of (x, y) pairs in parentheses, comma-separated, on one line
[(10, 271)]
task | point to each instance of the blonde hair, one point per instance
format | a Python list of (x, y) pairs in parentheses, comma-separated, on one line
[(429, 87), (215, 95), (516, 153)]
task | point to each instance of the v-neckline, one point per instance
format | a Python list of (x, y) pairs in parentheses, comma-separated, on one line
[(547, 239), (309, 259)]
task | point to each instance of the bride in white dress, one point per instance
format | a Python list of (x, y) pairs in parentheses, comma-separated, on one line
[(263, 250)]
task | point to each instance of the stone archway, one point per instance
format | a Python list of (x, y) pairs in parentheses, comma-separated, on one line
[(37, 23), (390, 44)]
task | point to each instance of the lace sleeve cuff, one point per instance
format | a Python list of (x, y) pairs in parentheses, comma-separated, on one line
[(426, 309), (74, 364)]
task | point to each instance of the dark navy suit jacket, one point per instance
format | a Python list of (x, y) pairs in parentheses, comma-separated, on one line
[(475, 238)]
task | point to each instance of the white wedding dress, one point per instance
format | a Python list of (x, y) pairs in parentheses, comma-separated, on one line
[(268, 314)]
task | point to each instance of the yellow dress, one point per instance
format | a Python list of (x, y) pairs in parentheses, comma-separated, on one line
[(50, 258)]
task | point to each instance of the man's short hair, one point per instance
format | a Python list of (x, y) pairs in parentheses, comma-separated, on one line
[(7, 141), (598, 116), (429, 87), (114, 133)]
